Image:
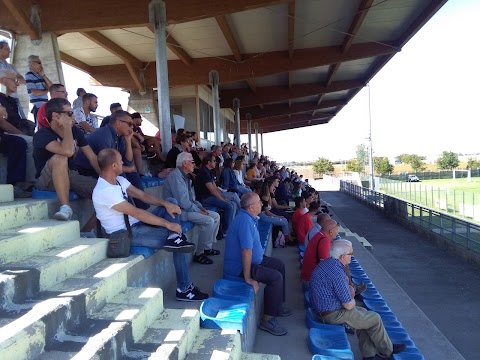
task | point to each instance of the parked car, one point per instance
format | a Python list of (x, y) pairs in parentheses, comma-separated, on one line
[(413, 178)]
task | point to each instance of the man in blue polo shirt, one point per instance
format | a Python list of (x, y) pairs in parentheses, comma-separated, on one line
[(244, 258), (333, 300)]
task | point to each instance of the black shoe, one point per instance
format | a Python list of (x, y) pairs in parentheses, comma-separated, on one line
[(192, 294), (179, 244), (202, 259), (398, 348), (211, 252), (349, 329)]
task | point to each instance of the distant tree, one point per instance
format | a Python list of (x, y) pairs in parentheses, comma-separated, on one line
[(447, 161), (352, 165), (323, 166), (382, 166), (362, 157), (473, 163), (415, 161)]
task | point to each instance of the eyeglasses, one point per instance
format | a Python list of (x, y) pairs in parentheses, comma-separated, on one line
[(127, 122), (15, 80), (351, 254), (69, 113)]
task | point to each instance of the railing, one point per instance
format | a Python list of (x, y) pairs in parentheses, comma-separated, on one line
[(456, 231), (460, 203)]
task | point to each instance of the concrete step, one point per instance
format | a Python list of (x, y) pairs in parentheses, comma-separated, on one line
[(25, 279), (21, 212), (99, 283), (170, 336), (216, 344), (67, 304), (139, 306), (21, 242), (6, 193), (255, 356)]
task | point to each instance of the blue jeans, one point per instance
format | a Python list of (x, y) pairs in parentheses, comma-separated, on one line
[(280, 221), (16, 150), (234, 197), (228, 207), (242, 190), (155, 237)]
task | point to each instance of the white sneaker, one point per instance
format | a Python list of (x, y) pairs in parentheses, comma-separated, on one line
[(65, 213)]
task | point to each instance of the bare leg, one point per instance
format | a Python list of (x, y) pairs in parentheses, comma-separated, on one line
[(137, 156), (58, 164)]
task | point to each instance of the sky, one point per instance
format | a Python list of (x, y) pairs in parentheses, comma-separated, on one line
[(424, 101)]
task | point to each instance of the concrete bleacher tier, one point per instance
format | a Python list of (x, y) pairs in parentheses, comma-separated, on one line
[(61, 297)]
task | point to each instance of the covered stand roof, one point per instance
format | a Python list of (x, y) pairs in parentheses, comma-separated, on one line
[(292, 63)]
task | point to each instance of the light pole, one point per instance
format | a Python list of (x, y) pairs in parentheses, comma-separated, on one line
[(370, 153)]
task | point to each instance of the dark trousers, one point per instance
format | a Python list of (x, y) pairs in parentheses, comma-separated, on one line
[(271, 272), (15, 148)]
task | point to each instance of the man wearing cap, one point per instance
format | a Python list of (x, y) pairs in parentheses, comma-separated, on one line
[(37, 84)]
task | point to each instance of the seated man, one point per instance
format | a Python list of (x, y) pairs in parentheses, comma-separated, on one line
[(305, 222), (332, 298), (298, 213), (178, 185), (55, 148), (160, 229), (15, 148), (113, 107), (84, 117), (316, 228), (56, 91), (116, 135), (210, 195), (13, 123), (319, 247), (244, 257)]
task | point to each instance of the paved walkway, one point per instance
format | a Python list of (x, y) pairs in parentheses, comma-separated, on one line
[(442, 285)]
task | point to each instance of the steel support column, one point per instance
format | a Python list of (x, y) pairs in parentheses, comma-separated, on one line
[(261, 139), (256, 137), (157, 15), (236, 106), (249, 132), (217, 124)]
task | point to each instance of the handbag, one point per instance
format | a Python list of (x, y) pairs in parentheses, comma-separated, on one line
[(119, 241)]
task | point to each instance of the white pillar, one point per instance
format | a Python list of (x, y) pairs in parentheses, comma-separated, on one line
[(249, 132), (236, 106), (157, 15), (256, 136), (261, 139), (217, 124)]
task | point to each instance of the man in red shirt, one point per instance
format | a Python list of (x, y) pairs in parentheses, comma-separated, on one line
[(318, 247), (305, 223), (56, 91), (299, 206)]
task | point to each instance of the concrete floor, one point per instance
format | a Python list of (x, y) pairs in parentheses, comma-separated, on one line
[(432, 293)]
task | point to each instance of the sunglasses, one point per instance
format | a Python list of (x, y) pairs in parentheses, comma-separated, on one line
[(69, 113)]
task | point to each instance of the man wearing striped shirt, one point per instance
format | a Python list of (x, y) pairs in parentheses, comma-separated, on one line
[(37, 84)]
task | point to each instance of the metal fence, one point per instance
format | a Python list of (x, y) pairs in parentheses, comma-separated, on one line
[(460, 203), (431, 175), (458, 231)]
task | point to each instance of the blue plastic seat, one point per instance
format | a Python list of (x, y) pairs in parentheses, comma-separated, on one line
[(312, 321), (45, 194), (233, 278), (148, 181), (379, 306), (224, 314), (306, 299), (301, 247), (323, 357), (330, 341), (265, 230), (142, 250), (186, 225), (233, 290)]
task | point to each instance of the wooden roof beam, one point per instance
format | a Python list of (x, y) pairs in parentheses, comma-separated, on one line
[(110, 14), (288, 125), (23, 21), (291, 28), (133, 64), (175, 47), (281, 110), (77, 64), (268, 94), (228, 34)]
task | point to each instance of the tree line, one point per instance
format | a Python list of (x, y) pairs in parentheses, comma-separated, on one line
[(448, 160)]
